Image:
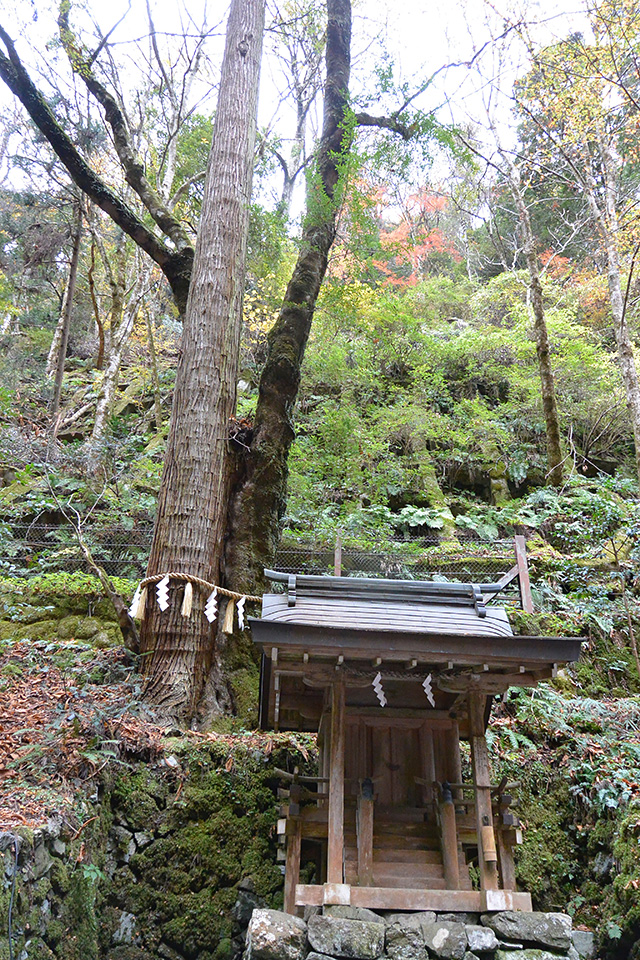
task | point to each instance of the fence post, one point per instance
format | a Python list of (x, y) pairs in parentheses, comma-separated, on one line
[(523, 575), (337, 557)]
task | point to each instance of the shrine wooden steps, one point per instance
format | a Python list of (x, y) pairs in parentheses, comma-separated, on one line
[(406, 851)]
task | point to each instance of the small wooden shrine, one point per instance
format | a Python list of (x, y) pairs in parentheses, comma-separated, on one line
[(393, 675)]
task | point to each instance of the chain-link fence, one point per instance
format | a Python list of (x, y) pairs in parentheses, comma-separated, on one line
[(27, 549), (33, 548)]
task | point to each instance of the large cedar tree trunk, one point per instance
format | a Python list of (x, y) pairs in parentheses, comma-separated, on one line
[(192, 505), (260, 495)]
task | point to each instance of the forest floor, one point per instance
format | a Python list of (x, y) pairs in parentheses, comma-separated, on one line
[(69, 711)]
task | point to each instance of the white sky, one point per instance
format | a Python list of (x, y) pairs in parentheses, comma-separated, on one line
[(421, 37)]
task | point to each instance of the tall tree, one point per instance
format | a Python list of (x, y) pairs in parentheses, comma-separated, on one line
[(540, 332), (192, 505), (510, 167), (259, 497), (58, 351), (571, 98), (192, 524)]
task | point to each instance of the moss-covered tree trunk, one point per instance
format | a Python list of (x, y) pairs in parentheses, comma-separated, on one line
[(192, 506), (258, 495), (58, 351), (540, 332)]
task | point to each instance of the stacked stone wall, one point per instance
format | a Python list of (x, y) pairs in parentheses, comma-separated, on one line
[(352, 933)]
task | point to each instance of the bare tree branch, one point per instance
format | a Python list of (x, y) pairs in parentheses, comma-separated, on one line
[(131, 163), (406, 131), (175, 264)]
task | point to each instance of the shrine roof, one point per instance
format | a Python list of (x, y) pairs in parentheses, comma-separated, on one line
[(355, 616), (402, 629)]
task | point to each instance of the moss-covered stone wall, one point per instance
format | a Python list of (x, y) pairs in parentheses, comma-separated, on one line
[(171, 862)]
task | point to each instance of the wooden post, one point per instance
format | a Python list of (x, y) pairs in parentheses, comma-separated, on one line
[(505, 861), (365, 834), (449, 842), (487, 858), (523, 575), (292, 866), (429, 767), (337, 557), (335, 826), (454, 761)]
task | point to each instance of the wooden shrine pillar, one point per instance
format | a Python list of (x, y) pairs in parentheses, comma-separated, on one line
[(364, 833), (292, 866), (335, 826), (449, 841), (487, 855), (453, 758)]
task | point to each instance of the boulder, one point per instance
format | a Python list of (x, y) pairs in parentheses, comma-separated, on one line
[(337, 937), (121, 844), (247, 901), (544, 929), (126, 928), (405, 941), (460, 917), (273, 935), (481, 939), (345, 912), (143, 838), (445, 939), (318, 956), (531, 953), (417, 919), (584, 943), (41, 863)]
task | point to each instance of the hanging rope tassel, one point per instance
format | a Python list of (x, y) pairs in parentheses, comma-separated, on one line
[(228, 617), (187, 601), (139, 604)]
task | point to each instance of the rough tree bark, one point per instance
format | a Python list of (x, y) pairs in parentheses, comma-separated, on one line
[(192, 505), (260, 494)]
